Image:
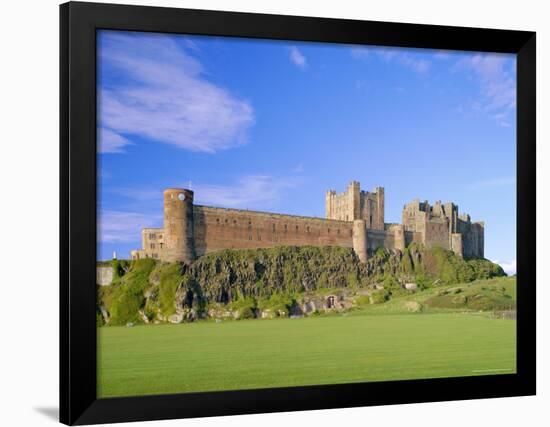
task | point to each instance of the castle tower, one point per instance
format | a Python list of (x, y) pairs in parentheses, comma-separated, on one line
[(399, 236), (380, 207), (354, 194), (360, 239), (179, 237)]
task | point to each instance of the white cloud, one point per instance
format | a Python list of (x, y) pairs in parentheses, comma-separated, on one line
[(110, 142), (249, 192), (138, 194), (360, 52), (418, 65), (497, 82), (299, 168), (509, 267), (404, 57), (118, 226), (494, 183), (298, 58), (165, 97)]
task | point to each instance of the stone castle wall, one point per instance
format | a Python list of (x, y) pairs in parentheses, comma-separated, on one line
[(104, 275), (219, 228), (191, 231)]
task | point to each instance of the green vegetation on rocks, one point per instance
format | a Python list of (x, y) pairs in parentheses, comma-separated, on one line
[(245, 282), (125, 297)]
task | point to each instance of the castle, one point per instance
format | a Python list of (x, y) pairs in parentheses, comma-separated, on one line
[(354, 219)]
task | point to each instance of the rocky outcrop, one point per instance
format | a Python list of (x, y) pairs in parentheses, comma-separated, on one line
[(278, 282)]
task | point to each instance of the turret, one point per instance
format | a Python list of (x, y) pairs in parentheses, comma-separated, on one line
[(179, 240), (380, 201), (399, 236), (360, 239)]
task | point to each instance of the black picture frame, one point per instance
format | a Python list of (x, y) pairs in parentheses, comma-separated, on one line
[(78, 25)]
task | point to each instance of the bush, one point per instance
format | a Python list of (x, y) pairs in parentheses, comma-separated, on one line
[(170, 278), (99, 319), (120, 268), (379, 297), (246, 313), (126, 297), (362, 300)]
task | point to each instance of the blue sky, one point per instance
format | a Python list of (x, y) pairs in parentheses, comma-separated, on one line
[(270, 125)]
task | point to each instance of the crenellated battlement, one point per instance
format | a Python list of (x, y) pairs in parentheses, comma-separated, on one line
[(354, 218)]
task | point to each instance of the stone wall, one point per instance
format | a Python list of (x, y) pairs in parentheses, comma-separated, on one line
[(437, 234), (220, 228), (191, 231), (104, 275), (473, 239), (355, 204), (152, 240)]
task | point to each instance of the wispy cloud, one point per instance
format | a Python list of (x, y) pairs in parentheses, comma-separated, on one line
[(497, 82), (299, 168), (509, 267), (297, 58), (404, 57), (165, 97), (493, 183), (407, 59), (111, 142), (124, 227), (248, 192), (360, 52), (138, 194)]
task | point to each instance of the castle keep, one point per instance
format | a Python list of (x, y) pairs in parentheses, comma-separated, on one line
[(354, 219)]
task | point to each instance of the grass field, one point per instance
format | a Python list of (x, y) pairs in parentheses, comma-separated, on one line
[(248, 354)]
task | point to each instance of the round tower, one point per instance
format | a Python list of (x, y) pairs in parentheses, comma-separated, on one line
[(399, 237), (179, 239), (360, 239)]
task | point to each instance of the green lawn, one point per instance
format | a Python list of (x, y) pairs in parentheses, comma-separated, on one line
[(249, 354)]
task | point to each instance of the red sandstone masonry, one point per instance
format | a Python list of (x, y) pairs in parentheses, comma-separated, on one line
[(191, 230), (221, 228)]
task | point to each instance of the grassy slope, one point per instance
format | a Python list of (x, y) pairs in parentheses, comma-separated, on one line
[(498, 293), (273, 353)]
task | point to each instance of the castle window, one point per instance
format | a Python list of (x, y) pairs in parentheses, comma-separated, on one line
[(160, 237), (286, 227), (152, 246), (226, 221), (296, 228), (307, 229), (217, 220), (328, 230), (273, 226), (160, 245), (235, 222), (151, 236), (338, 231)]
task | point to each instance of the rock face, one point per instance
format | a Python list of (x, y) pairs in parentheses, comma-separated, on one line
[(104, 275), (411, 286), (275, 282)]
